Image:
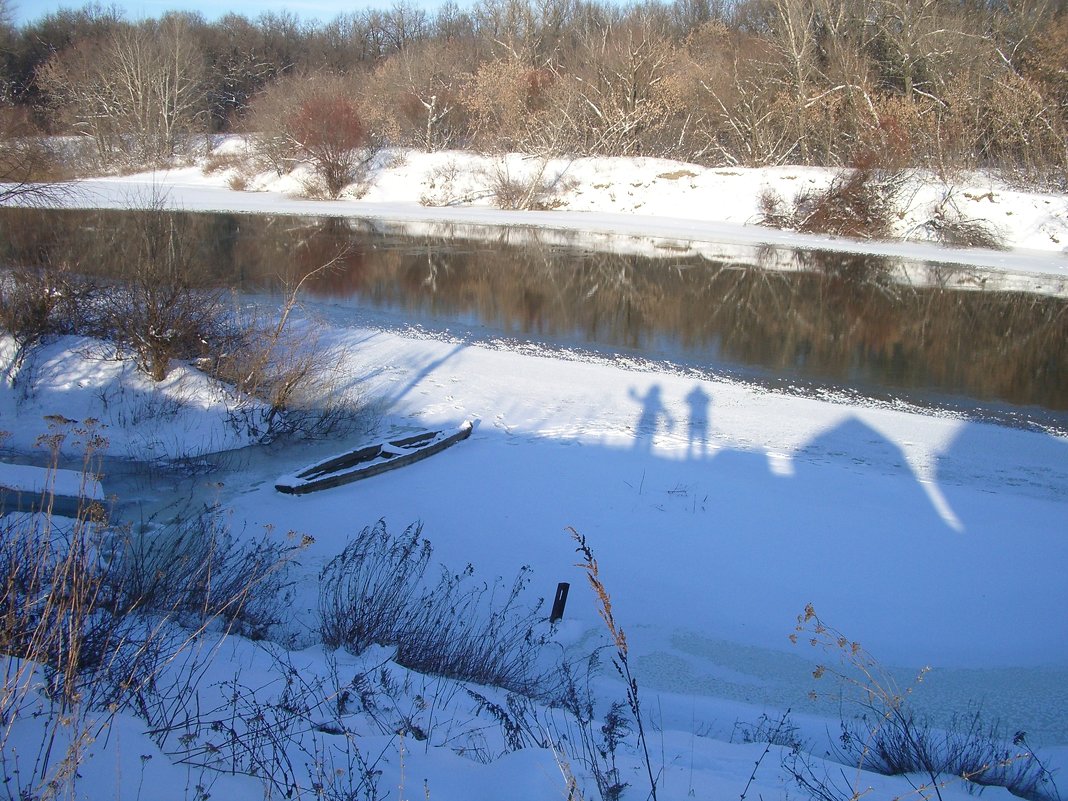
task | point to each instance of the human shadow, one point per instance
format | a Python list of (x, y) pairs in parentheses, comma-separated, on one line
[(698, 402), (847, 519), (653, 414)]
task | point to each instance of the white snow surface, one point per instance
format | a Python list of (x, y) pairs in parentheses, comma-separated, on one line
[(36, 480), (717, 510)]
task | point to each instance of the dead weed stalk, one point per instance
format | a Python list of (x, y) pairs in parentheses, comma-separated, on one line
[(621, 659)]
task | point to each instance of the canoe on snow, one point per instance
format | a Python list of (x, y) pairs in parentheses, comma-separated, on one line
[(371, 460)]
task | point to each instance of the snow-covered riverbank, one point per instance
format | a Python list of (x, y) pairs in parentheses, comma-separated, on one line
[(717, 511), (619, 203)]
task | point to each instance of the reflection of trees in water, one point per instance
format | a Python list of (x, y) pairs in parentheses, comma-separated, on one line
[(835, 316)]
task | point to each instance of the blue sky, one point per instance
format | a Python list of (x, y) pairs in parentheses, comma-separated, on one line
[(30, 10)]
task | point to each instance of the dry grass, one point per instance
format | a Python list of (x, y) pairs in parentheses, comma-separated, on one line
[(622, 657), (88, 619), (889, 738), (374, 593)]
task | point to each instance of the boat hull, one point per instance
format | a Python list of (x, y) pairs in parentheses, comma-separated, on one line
[(371, 460)]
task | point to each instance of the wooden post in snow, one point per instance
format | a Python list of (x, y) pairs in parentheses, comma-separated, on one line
[(559, 602)]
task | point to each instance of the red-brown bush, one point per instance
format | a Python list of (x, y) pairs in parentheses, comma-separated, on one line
[(330, 133)]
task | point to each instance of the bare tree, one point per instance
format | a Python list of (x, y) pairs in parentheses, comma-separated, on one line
[(414, 96), (619, 78), (313, 119), (507, 27), (240, 66), (404, 25), (139, 93), (738, 112)]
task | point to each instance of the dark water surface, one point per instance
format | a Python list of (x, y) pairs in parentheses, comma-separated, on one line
[(865, 324)]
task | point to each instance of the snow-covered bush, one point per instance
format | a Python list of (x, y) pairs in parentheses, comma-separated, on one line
[(538, 189), (949, 225), (37, 303)]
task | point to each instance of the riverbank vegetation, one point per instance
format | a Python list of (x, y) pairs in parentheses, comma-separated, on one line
[(150, 290), (909, 83), (103, 621)]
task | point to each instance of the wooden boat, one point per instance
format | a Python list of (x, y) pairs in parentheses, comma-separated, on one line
[(371, 460)]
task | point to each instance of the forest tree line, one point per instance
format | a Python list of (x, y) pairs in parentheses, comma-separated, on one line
[(941, 84)]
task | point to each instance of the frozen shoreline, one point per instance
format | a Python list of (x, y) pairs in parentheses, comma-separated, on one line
[(614, 202)]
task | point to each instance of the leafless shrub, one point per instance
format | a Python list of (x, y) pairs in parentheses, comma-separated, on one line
[(537, 191), (510, 106), (860, 203), (269, 145), (38, 302), (287, 367), (443, 187), (948, 225), (314, 119), (164, 306), (366, 590), (158, 300), (28, 162), (289, 382), (373, 593), (889, 738), (773, 211), (329, 132)]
